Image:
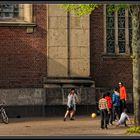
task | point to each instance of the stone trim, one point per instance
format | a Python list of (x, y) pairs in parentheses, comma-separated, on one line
[(114, 56)]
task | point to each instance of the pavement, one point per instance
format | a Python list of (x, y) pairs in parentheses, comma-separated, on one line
[(55, 126)]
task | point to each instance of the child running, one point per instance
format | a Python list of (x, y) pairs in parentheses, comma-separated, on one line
[(70, 105)]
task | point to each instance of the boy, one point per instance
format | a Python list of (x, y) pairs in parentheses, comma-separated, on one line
[(70, 105), (104, 110), (76, 100), (116, 104), (123, 96)]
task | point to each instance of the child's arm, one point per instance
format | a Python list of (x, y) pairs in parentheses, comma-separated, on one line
[(128, 118)]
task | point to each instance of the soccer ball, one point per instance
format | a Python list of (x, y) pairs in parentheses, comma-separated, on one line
[(93, 115)]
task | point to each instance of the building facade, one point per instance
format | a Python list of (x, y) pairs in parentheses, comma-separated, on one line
[(45, 51)]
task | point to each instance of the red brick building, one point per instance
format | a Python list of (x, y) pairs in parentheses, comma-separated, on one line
[(32, 81), (107, 69)]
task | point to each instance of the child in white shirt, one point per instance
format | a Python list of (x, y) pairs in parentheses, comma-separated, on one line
[(124, 117)]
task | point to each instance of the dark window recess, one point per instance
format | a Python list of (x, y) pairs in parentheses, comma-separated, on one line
[(110, 29), (9, 11)]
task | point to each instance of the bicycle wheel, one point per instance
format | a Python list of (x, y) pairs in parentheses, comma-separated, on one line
[(4, 117)]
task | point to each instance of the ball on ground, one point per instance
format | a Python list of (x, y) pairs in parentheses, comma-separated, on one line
[(93, 115)]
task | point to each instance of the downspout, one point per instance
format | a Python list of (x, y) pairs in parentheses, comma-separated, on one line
[(47, 37), (68, 41)]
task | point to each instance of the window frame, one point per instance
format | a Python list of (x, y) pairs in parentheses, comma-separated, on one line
[(4, 11), (127, 48), (26, 12), (26, 15)]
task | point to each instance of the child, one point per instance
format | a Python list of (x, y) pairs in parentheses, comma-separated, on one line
[(70, 105), (123, 96), (104, 110), (110, 105), (116, 104), (124, 117)]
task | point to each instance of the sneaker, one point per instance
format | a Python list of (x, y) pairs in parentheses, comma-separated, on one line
[(71, 119), (126, 125)]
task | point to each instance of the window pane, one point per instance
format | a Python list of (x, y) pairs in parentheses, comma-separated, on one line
[(121, 13), (110, 29), (121, 22), (9, 11), (121, 31), (110, 22), (121, 34), (108, 9), (121, 46), (110, 34), (111, 46)]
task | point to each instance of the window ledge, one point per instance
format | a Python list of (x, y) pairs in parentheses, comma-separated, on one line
[(116, 56), (29, 26), (22, 24)]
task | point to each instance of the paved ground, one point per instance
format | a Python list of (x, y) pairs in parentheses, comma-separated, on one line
[(82, 126)]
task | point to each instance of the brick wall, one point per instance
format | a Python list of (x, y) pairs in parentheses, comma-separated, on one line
[(23, 55), (106, 71)]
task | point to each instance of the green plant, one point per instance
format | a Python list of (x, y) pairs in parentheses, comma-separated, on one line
[(135, 129)]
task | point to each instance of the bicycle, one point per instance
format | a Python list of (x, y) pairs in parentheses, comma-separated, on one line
[(4, 116)]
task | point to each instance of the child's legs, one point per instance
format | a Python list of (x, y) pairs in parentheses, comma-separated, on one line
[(102, 118), (74, 110), (125, 122), (72, 113), (118, 111), (66, 114), (107, 118), (113, 113)]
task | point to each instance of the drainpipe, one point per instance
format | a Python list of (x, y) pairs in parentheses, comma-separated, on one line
[(68, 41), (47, 37)]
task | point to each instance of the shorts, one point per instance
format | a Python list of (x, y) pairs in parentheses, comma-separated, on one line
[(69, 108), (74, 107)]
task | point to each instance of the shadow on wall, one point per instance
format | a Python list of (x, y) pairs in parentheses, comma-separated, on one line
[(23, 59)]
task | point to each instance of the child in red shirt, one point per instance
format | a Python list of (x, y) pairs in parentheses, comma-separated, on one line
[(110, 106)]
